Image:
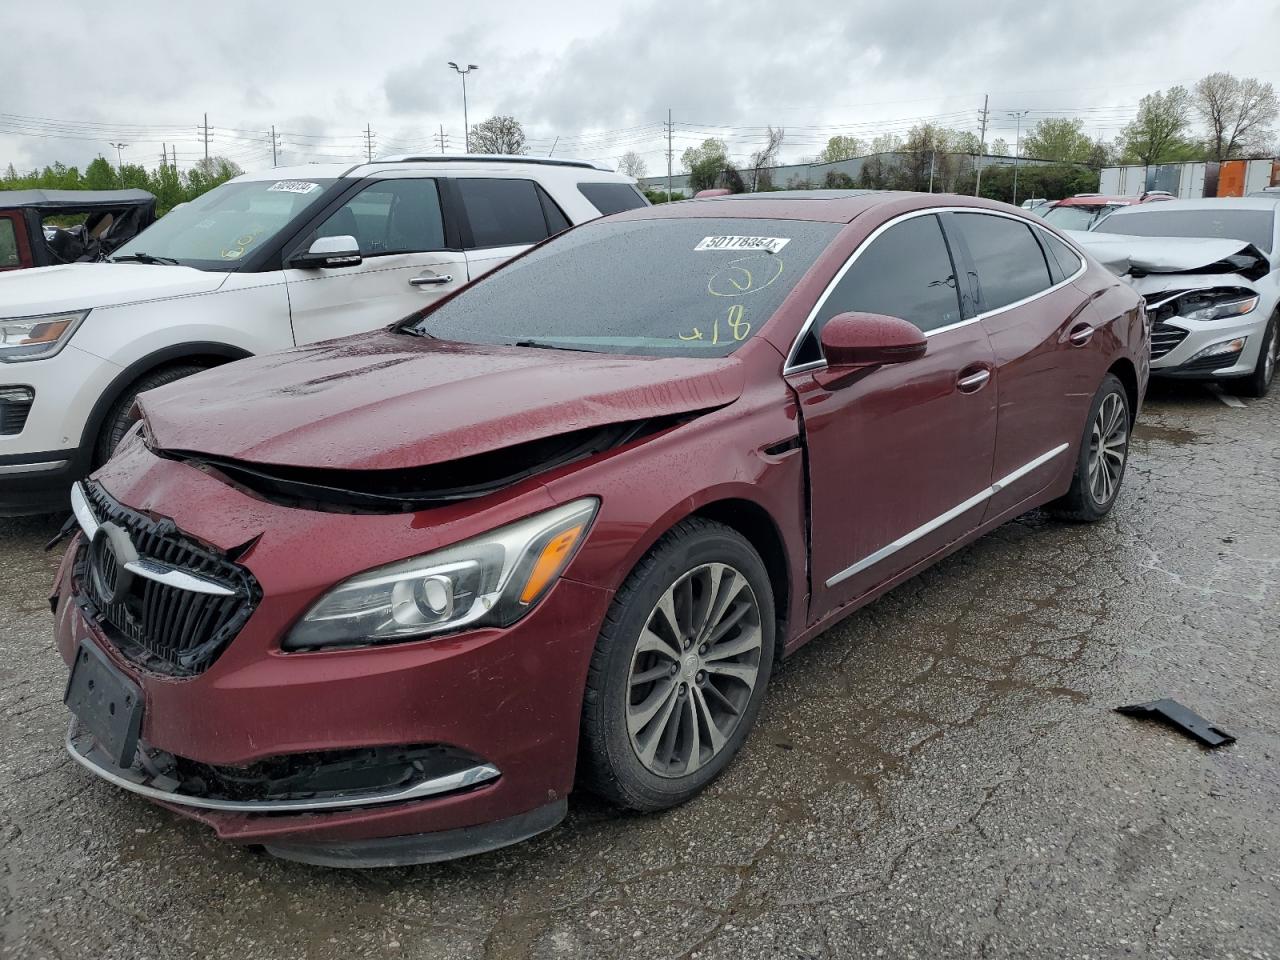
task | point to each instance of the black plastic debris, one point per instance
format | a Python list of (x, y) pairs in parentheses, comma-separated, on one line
[(1186, 721)]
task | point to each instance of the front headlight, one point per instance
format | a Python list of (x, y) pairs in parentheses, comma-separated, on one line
[(490, 580), (1213, 308), (35, 338)]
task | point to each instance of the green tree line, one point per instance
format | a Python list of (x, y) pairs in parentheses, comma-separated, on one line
[(170, 185)]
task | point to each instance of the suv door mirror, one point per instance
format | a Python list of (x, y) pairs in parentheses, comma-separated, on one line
[(852, 342), (342, 251)]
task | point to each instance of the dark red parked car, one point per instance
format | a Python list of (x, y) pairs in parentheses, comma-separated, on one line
[(388, 599)]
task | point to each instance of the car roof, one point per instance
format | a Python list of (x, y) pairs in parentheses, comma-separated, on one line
[(73, 198), (1208, 203), (444, 163), (1095, 200), (832, 206)]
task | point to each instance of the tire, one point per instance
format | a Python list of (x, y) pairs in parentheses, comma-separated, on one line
[(642, 765), (1091, 495), (120, 418), (1258, 383)]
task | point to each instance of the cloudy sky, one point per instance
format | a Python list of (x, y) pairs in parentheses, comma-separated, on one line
[(591, 79)]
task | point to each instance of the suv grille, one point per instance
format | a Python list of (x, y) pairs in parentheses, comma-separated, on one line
[(1164, 337), (161, 627)]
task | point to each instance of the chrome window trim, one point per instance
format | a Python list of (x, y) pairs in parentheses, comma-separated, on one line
[(791, 367), (942, 519), (449, 783)]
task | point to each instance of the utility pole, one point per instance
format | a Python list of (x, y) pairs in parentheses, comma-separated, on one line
[(466, 123), (669, 155), (205, 130), (555, 143), (933, 154), (275, 140), (368, 142), (977, 188), (164, 155), (1017, 115), (442, 139), (119, 161)]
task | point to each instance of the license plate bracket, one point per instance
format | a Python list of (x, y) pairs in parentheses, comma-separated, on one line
[(106, 702)]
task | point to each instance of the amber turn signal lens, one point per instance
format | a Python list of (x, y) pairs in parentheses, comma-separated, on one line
[(550, 562), (46, 332)]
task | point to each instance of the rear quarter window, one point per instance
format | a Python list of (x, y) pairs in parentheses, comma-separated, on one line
[(610, 198)]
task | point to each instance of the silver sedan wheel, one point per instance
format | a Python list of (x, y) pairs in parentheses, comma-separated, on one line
[(693, 671), (1108, 447), (1273, 353)]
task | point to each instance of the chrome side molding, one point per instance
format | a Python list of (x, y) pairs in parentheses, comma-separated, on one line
[(940, 521)]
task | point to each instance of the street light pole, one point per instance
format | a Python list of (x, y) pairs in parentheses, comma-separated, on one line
[(1017, 136), (119, 161), (466, 124)]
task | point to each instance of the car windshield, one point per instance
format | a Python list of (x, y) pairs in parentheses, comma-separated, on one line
[(1070, 218), (220, 229), (1248, 226), (679, 287)]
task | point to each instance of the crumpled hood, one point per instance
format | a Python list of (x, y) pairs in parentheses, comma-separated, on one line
[(386, 401), (83, 286), (1123, 254)]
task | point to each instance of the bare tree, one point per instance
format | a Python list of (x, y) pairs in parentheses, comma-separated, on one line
[(632, 164), (764, 159), (1239, 114), (498, 135)]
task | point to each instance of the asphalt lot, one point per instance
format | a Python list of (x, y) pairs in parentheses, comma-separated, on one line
[(940, 776)]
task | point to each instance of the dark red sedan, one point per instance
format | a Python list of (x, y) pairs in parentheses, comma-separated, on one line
[(388, 599)]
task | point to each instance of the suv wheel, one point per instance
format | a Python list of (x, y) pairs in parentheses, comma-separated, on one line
[(680, 668), (120, 417), (1103, 456)]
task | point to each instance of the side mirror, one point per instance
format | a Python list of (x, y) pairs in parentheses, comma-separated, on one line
[(341, 251), (852, 342)]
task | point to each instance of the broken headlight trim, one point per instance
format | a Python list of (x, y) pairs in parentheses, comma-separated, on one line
[(488, 581), (37, 338)]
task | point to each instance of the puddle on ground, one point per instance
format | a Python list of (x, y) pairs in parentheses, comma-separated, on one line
[(1174, 435)]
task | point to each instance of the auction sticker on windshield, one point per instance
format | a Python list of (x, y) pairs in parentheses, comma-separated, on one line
[(293, 186), (770, 244)]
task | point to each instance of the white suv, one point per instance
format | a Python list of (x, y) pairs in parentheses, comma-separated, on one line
[(264, 262)]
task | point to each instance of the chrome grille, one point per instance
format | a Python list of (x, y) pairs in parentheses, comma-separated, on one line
[(1164, 337), (163, 627)]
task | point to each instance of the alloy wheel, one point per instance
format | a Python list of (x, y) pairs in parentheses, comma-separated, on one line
[(1273, 353), (693, 671), (1108, 447)]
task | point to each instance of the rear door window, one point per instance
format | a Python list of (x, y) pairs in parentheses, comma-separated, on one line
[(611, 198), (506, 212), (1009, 263)]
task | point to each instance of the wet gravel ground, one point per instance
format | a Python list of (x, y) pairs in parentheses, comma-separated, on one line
[(940, 776)]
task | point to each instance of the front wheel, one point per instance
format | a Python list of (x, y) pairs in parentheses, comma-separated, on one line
[(679, 670), (1259, 382), (1104, 453)]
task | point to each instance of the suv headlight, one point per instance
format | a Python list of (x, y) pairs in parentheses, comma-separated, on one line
[(36, 338), (490, 580)]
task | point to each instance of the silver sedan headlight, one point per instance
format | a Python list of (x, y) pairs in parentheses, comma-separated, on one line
[(490, 580), (37, 338)]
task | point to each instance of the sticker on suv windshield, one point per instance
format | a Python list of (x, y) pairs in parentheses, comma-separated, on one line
[(768, 244), (293, 186)]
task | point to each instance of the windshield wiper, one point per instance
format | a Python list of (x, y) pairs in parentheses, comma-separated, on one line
[(544, 345), (144, 258)]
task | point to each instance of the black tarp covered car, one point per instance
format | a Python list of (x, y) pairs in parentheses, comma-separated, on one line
[(41, 228)]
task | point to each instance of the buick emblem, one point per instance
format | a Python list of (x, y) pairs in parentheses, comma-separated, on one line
[(109, 553)]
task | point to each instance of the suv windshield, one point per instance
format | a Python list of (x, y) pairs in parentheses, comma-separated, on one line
[(1247, 226), (680, 287), (220, 229)]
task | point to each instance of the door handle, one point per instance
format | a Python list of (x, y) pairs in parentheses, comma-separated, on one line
[(430, 280), (1081, 335), (973, 382)]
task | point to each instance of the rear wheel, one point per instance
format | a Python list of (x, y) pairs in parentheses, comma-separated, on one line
[(679, 670), (1104, 453), (1258, 383), (120, 417)]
